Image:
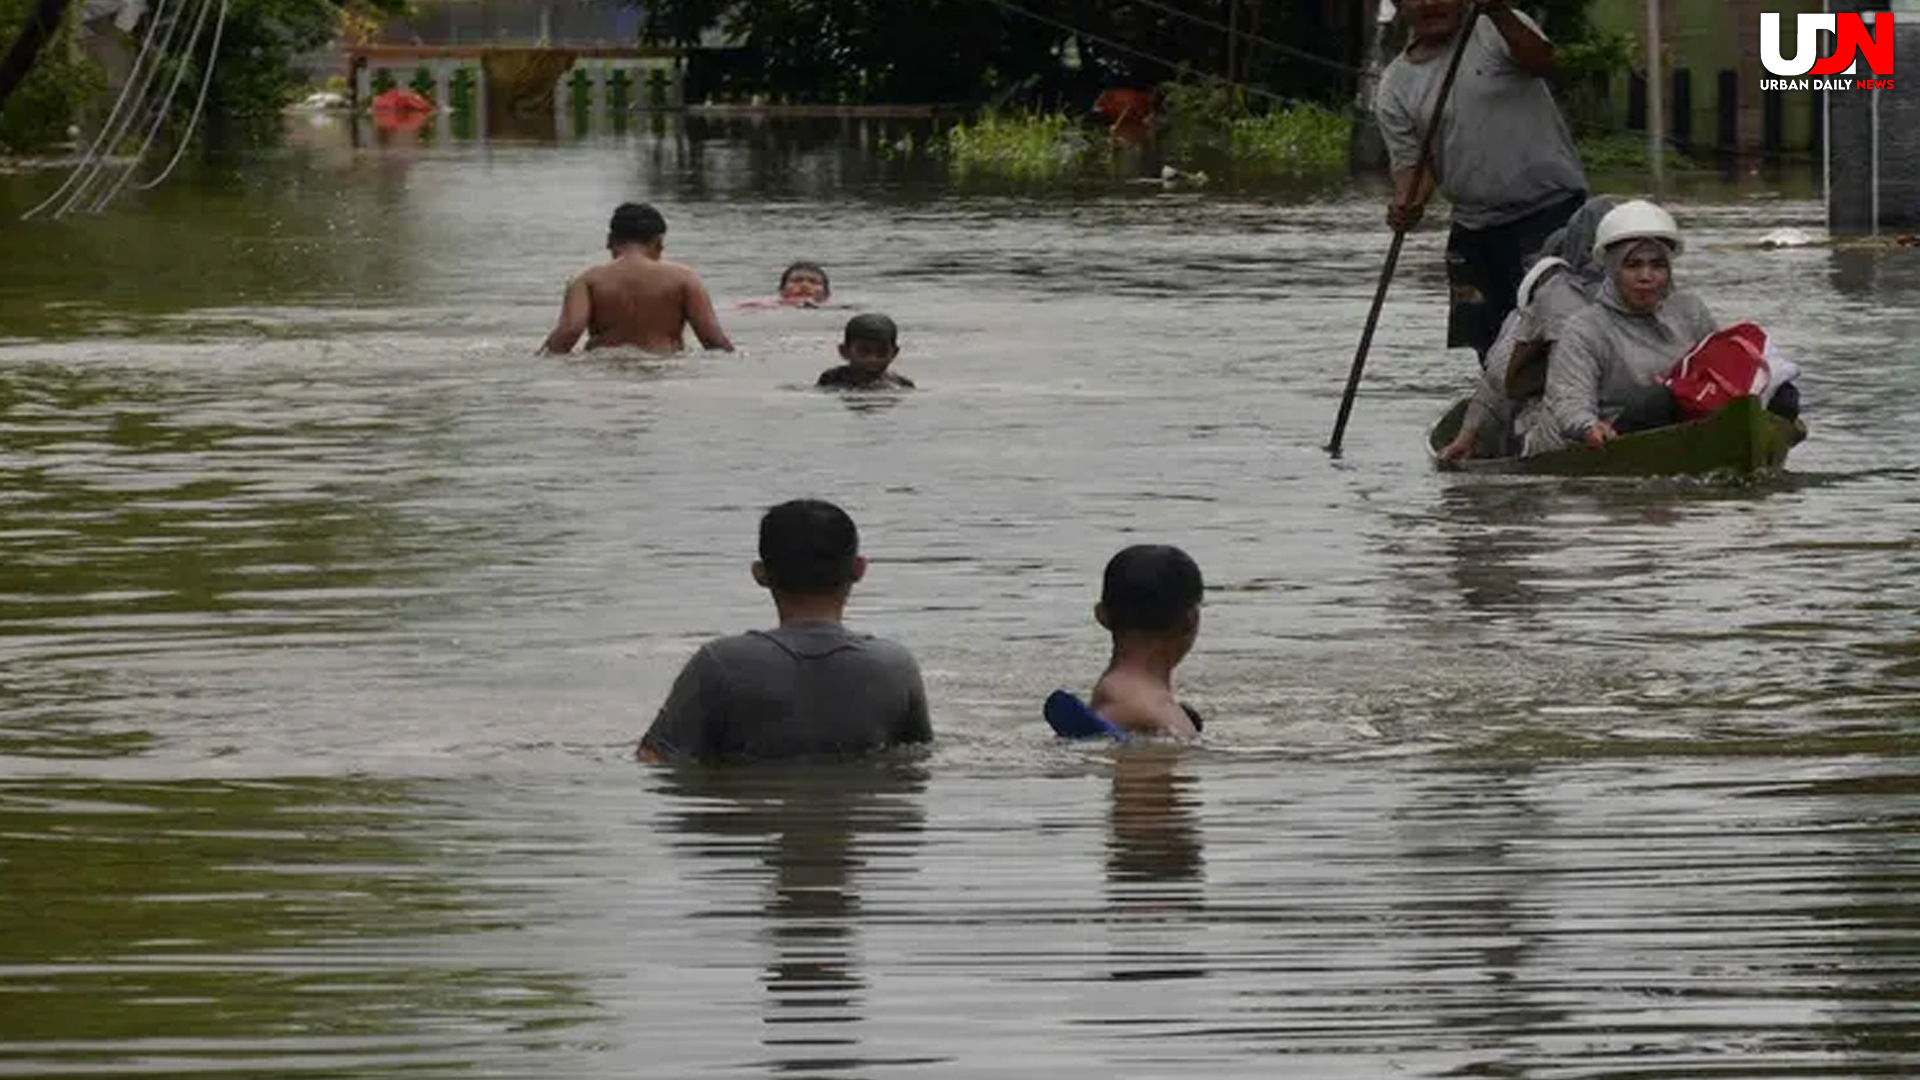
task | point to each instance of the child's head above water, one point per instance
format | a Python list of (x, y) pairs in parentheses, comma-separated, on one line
[(805, 283), (870, 343), (1151, 590)]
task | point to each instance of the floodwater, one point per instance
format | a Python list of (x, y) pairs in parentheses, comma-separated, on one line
[(329, 616)]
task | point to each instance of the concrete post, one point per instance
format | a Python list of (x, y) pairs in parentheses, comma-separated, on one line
[(1873, 146), (480, 97), (1656, 100), (1367, 150)]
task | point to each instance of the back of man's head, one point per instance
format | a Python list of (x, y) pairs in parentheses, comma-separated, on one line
[(635, 223), (808, 547), (1150, 589)]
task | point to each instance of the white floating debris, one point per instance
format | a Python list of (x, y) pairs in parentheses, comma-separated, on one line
[(1781, 238)]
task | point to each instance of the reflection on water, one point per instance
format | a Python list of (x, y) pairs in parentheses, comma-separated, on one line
[(257, 925), (1155, 867), (214, 504), (820, 833), (329, 616), (1155, 839)]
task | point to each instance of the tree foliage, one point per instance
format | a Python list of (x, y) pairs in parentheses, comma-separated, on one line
[(257, 71), (975, 50), (967, 51), (57, 86), (256, 68)]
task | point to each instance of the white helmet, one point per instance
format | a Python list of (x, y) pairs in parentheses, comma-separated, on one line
[(1546, 265), (1636, 220)]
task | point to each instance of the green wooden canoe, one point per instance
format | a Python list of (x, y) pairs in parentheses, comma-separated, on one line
[(1741, 438)]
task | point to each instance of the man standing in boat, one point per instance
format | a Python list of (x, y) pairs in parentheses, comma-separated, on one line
[(1502, 156)]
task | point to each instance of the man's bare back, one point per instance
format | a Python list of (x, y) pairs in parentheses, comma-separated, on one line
[(638, 300)]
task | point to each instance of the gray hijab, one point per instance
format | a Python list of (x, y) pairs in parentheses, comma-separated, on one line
[(1574, 243)]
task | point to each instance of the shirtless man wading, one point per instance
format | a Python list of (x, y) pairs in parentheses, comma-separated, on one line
[(639, 299)]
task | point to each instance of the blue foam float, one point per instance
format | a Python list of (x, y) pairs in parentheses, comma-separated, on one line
[(1071, 718)]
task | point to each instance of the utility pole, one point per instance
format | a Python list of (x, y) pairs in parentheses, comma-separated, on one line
[(1656, 101), (1233, 36), (1366, 150)]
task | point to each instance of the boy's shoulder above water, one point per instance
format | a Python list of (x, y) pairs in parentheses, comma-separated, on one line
[(1150, 598), (847, 377)]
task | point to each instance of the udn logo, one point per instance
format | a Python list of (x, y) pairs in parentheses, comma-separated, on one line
[(1850, 31)]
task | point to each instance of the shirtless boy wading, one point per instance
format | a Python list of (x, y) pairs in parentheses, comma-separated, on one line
[(639, 299)]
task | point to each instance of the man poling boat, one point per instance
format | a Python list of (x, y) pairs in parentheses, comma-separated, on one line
[(1497, 148), (1502, 156)]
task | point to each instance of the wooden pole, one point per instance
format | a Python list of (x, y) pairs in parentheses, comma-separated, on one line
[(1399, 236)]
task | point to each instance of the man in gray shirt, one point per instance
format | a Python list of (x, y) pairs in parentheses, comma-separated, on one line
[(1502, 155), (809, 687)]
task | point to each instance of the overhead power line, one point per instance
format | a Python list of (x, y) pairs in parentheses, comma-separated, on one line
[(1276, 46), (1117, 46)]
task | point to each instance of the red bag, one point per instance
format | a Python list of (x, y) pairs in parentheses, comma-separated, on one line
[(1726, 366)]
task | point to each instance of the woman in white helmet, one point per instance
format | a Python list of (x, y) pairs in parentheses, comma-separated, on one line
[(1604, 377)]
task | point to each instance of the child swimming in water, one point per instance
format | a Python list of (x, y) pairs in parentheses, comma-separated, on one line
[(804, 284), (869, 346), (1150, 603)]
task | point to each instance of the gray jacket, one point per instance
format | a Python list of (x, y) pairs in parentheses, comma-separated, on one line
[(1604, 353), (1561, 296)]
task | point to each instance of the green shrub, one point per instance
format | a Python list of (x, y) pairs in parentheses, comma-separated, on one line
[(62, 85), (1214, 119), (1018, 146), (1297, 139), (1624, 152)]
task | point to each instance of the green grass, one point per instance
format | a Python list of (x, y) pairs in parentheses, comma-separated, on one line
[(1623, 151), (1296, 139), (1202, 130), (1019, 146), (1211, 122), (1054, 146)]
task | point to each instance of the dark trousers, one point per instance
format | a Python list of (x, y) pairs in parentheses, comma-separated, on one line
[(1647, 408), (1786, 402), (1653, 406), (1484, 268)]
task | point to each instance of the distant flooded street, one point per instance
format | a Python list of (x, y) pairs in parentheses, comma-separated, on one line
[(329, 615)]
